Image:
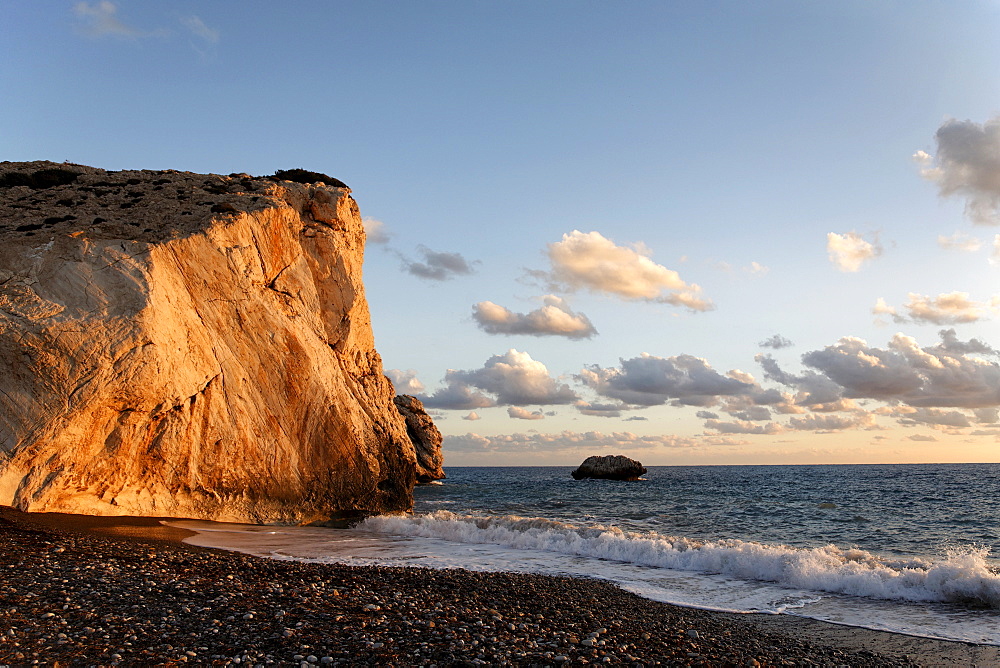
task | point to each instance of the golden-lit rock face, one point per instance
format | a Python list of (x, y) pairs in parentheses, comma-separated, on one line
[(185, 345)]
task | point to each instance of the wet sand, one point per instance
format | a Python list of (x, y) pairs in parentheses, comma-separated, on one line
[(126, 591)]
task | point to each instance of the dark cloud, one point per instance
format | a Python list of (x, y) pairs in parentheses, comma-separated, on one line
[(437, 266), (967, 164), (650, 381), (777, 341)]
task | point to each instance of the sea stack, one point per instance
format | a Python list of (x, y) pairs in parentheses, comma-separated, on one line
[(191, 345), (609, 467), (425, 436)]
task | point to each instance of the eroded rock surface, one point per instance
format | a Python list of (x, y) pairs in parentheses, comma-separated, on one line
[(425, 436), (609, 467), (187, 345)]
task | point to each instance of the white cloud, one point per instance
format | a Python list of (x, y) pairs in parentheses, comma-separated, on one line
[(375, 231), (437, 265), (519, 413), (199, 29), (743, 427), (514, 379), (948, 308), (777, 342), (968, 165), (849, 251), (574, 441), (555, 318), (472, 417), (101, 19), (648, 380), (589, 261), (960, 242), (995, 255), (405, 382)]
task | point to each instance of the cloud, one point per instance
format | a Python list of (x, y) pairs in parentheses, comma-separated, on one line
[(752, 414), (934, 417), (574, 441), (921, 437), (514, 379), (555, 318), (995, 255), (967, 165), (405, 382), (648, 380), (589, 261), (100, 19), (830, 423), (472, 417), (375, 231), (777, 342), (950, 345), (199, 29), (960, 242), (849, 251), (949, 308), (742, 427), (519, 413), (437, 266), (938, 376), (601, 410)]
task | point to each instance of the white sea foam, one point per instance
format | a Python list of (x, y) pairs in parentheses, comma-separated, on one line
[(959, 577)]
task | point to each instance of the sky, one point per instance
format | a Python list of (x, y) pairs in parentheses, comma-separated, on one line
[(687, 232)]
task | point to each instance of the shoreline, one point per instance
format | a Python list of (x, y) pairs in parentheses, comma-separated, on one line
[(130, 587)]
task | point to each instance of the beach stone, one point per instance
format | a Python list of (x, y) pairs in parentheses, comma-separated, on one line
[(172, 336), (609, 467)]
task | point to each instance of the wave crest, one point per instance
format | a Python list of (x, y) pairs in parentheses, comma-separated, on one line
[(960, 576)]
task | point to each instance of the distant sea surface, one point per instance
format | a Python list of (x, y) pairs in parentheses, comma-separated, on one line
[(907, 548)]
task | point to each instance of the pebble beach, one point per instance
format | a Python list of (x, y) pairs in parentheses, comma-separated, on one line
[(98, 591)]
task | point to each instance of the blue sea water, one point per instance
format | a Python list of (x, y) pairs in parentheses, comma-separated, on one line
[(907, 548)]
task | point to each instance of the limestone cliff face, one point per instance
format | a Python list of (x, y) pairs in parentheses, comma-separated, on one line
[(176, 344)]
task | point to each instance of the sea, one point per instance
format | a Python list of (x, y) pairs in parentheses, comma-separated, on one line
[(905, 548)]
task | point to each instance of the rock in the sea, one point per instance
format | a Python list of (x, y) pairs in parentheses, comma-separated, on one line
[(425, 436), (190, 345), (609, 467)]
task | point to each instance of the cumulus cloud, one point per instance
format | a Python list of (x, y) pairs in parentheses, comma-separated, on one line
[(921, 437), (555, 318), (967, 164), (405, 382), (904, 372), (590, 261), (472, 417), (949, 308), (934, 417), (995, 255), (198, 28), (849, 251), (375, 231), (519, 413), (960, 242), (513, 379), (437, 266), (648, 380), (777, 342), (951, 345), (752, 414), (101, 19), (573, 441), (830, 423)]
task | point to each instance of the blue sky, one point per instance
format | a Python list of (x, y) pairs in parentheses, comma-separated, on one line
[(594, 214)]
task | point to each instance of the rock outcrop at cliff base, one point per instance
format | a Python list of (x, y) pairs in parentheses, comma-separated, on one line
[(426, 438), (187, 345)]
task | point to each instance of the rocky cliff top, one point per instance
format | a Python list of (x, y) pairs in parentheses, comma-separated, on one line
[(44, 198)]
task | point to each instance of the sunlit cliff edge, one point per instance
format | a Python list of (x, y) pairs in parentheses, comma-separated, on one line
[(187, 345)]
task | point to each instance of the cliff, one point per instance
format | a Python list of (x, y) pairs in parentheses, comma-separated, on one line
[(425, 437), (187, 345)]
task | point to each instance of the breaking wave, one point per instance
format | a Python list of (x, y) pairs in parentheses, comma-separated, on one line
[(960, 577)]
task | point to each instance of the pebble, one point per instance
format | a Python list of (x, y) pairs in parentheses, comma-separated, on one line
[(131, 605)]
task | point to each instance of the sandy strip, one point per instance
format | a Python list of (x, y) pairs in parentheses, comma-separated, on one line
[(423, 617)]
